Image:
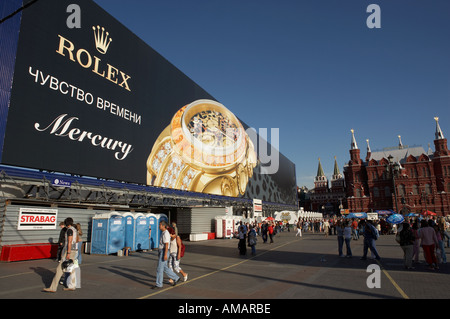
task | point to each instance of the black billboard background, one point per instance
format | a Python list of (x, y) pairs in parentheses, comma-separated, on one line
[(158, 90)]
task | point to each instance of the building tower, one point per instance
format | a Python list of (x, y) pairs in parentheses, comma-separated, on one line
[(441, 166), (440, 142), (355, 158), (337, 180), (320, 195), (320, 181), (338, 188), (369, 151), (355, 179)]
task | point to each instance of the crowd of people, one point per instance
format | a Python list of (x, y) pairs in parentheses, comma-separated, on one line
[(430, 235), (414, 235)]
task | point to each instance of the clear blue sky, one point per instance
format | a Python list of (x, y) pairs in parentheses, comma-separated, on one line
[(311, 68)]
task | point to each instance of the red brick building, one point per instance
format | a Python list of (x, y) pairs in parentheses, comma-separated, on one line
[(404, 179)]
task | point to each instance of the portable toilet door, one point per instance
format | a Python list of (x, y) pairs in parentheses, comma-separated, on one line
[(99, 234), (130, 226), (219, 221), (116, 234), (228, 227), (141, 239), (154, 230)]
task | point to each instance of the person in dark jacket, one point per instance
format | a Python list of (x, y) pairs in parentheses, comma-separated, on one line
[(61, 241), (370, 235), (407, 243)]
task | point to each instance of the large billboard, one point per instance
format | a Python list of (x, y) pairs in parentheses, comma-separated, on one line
[(98, 101)]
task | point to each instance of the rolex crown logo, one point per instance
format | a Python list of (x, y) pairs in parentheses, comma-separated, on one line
[(102, 40)]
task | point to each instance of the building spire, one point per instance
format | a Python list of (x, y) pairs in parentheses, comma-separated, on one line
[(400, 144), (354, 146), (369, 152), (439, 135), (336, 168), (368, 146), (320, 170), (430, 151)]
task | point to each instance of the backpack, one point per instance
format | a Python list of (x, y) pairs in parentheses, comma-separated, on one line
[(376, 234), (182, 249), (252, 239)]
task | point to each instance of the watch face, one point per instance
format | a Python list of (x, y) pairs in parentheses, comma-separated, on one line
[(205, 149), (208, 135), (213, 128)]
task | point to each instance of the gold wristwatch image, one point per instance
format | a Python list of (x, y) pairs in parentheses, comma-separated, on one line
[(204, 149)]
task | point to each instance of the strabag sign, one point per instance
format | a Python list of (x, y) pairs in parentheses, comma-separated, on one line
[(37, 218)]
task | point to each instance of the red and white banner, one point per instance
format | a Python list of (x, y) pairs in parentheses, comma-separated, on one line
[(37, 218), (257, 207)]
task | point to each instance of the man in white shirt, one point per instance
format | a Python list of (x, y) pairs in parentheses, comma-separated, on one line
[(163, 254)]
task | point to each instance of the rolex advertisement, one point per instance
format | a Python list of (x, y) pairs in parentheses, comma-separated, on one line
[(95, 100)]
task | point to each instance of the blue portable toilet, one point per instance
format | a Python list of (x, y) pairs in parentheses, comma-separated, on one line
[(99, 233), (116, 234), (141, 233), (153, 225), (130, 226), (163, 217), (107, 233)]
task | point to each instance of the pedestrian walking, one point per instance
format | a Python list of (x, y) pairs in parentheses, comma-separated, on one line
[(370, 236), (61, 241), (252, 239), (407, 244), (440, 237), (326, 227), (79, 242), (355, 233), (175, 228), (163, 256), (348, 238), (242, 236), (429, 242), (444, 226), (299, 229), (416, 245), (270, 231), (175, 254), (69, 252), (264, 231), (340, 237)]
